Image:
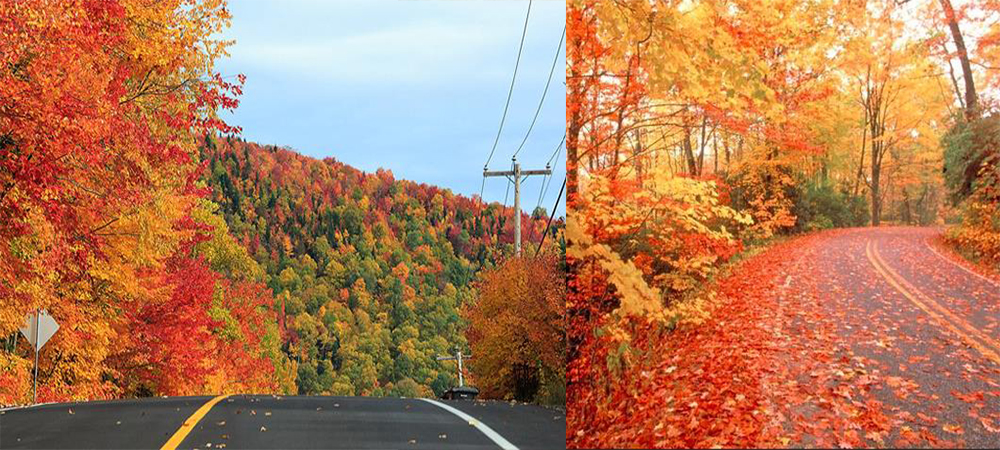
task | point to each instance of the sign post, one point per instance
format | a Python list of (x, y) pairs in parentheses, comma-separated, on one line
[(38, 329), (34, 384)]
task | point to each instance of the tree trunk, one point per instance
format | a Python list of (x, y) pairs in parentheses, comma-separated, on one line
[(572, 137), (876, 181), (689, 153), (725, 147), (971, 107), (573, 127), (701, 146), (861, 162), (907, 213), (876, 205), (715, 153)]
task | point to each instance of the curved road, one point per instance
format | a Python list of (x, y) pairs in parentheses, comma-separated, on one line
[(890, 342), (257, 421)]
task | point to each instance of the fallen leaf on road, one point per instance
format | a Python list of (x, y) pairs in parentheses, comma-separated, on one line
[(953, 429), (929, 421), (988, 425), (972, 397), (874, 435)]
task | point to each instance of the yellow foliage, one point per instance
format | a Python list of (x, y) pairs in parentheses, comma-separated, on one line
[(637, 297), (666, 218)]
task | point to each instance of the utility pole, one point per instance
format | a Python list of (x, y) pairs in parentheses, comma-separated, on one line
[(515, 176), (458, 357)]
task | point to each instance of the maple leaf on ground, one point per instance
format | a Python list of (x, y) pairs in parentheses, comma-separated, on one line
[(953, 429)]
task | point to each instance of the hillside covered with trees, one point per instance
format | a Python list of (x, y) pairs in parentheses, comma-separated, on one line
[(179, 263), (369, 273)]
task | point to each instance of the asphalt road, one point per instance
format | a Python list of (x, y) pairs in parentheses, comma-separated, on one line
[(264, 421), (892, 342)]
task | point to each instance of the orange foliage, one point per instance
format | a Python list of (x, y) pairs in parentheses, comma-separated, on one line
[(517, 330), (100, 106)]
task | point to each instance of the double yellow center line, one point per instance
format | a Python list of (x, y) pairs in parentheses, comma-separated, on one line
[(986, 345)]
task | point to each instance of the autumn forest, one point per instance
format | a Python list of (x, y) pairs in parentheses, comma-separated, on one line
[(781, 226), (179, 259), (784, 223)]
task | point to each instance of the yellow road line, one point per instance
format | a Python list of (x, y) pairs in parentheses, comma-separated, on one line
[(189, 424), (872, 252), (956, 319)]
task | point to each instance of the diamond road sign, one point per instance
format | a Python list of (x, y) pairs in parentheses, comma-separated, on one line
[(46, 327)]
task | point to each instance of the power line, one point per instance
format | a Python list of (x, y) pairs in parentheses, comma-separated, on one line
[(546, 182), (555, 58), (541, 192), (506, 192), (510, 91), (551, 215), (558, 148)]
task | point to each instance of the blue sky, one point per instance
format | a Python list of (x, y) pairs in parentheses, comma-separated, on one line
[(414, 86)]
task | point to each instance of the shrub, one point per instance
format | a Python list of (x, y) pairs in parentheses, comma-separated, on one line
[(968, 146), (819, 206), (765, 189)]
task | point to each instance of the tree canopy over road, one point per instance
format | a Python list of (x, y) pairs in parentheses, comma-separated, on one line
[(697, 130)]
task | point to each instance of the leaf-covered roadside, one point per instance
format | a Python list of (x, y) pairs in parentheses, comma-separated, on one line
[(697, 386), (806, 346)]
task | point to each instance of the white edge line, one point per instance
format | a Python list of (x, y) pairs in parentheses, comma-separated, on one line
[(931, 247), (493, 435)]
